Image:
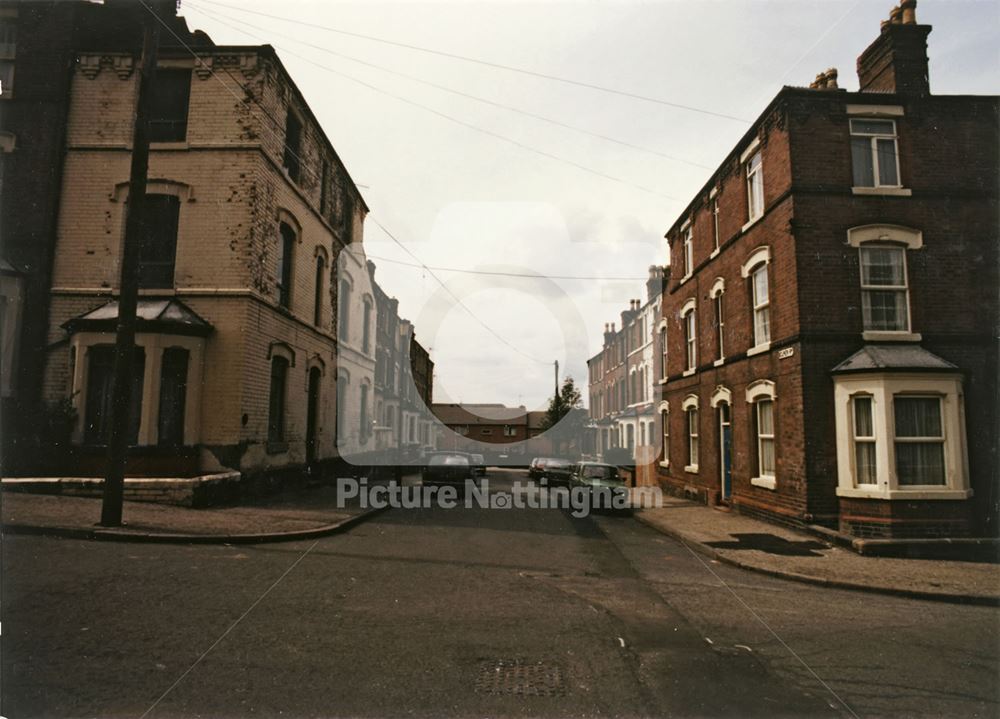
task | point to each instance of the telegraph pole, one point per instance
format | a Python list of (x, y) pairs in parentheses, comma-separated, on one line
[(557, 377), (135, 228)]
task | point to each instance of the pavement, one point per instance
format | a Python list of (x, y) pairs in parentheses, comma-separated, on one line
[(304, 513), (783, 552)]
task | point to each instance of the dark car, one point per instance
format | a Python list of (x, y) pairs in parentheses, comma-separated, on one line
[(557, 472), (478, 464), (445, 469), (607, 489)]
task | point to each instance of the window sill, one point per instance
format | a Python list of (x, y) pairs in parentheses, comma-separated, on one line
[(169, 145), (891, 336), (661, 381), (719, 362), (277, 447), (765, 482), (691, 469), (688, 372), (904, 494), (665, 465), (751, 222), (888, 191), (714, 253), (684, 279), (758, 349)]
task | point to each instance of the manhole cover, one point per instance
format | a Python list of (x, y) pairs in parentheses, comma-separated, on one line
[(519, 677)]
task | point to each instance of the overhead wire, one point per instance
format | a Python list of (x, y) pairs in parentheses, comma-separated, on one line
[(460, 93), (444, 286), (488, 63)]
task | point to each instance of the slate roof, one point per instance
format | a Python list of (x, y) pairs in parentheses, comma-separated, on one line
[(894, 358), (168, 316)]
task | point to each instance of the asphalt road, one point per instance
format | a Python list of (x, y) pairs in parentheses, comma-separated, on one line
[(468, 612)]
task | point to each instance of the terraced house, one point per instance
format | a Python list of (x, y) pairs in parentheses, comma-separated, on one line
[(256, 307), (830, 318)]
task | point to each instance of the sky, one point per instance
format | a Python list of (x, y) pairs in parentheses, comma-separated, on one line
[(579, 201)]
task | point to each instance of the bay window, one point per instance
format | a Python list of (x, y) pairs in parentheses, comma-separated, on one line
[(919, 440), (864, 440)]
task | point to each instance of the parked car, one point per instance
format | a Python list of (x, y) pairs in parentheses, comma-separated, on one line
[(537, 467), (606, 487), (479, 464), (558, 471), (447, 469)]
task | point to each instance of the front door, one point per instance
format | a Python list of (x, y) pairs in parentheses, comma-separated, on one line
[(311, 412), (726, 447)]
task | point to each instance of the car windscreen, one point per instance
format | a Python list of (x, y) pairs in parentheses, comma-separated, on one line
[(447, 459), (558, 464), (597, 472)]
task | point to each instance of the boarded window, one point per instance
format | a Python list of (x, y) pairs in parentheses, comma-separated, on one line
[(158, 242), (173, 395), (276, 409), (169, 113), (293, 146), (97, 413)]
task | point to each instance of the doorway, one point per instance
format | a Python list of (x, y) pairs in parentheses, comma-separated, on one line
[(726, 450)]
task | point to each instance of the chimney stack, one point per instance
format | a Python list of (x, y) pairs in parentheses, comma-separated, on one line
[(654, 284), (897, 61)]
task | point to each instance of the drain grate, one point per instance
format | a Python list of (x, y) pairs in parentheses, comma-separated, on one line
[(520, 678)]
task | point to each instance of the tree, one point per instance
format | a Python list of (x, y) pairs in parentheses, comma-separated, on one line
[(565, 419)]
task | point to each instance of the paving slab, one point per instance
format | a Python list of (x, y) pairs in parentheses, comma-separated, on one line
[(781, 551)]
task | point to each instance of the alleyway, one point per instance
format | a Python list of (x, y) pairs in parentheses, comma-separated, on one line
[(467, 613)]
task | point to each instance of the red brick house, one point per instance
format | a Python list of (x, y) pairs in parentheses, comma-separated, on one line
[(831, 312)]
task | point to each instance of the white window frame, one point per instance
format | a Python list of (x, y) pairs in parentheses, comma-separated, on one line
[(863, 439), (889, 236), (688, 248), (883, 387), (763, 389), (690, 320), (877, 186), (662, 334), (716, 233), (719, 315), (755, 187), (692, 430), (758, 258), (664, 410)]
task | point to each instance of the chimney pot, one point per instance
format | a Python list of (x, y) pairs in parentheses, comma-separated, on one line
[(896, 16), (909, 8), (831, 78)]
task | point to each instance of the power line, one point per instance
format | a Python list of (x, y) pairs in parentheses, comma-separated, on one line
[(455, 297), (492, 273), (487, 63), (460, 93), (463, 123), (377, 223)]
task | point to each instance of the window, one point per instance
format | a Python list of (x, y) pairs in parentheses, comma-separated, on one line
[(486, 431), (168, 115), (691, 339), (688, 252), (324, 192), (665, 440), (755, 187), (919, 440), (320, 286), (692, 427), (276, 408), (884, 294), (509, 431), (366, 326), (343, 383), (98, 408), (287, 240), (8, 51), (864, 440), (293, 145), (663, 353), (715, 223), (365, 423), (158, 243), (761, 309), (343, 309), (765, 438), (173, 395), (720, 324), (874, 153)]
